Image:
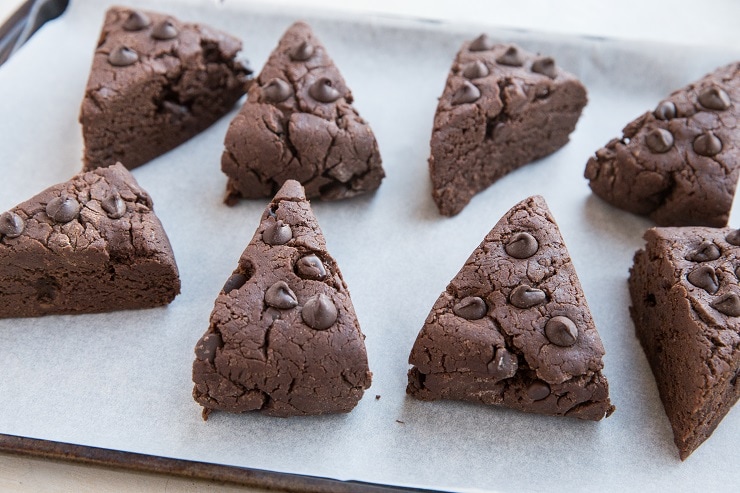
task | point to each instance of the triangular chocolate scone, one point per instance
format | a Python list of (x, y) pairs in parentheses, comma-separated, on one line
[(513, 327), (299, 123), (686, 309), (155, 82), (679, 164), (502, 107), (91, 244), (284, 338)]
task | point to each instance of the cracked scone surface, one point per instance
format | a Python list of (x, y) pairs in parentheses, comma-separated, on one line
[(299, 123), (502, 107), (686, 310), (283, 338), (678, 164), (513, 327), (155, 82), (91, 244)]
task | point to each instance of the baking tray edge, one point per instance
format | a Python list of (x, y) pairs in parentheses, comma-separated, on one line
[(269, 480)]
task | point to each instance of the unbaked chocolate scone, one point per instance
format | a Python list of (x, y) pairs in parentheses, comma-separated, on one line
[(284, 338), (513, 327), (155, 82), (502, 107), (91, 244), (686, 309), (678, 164), (299, 123)]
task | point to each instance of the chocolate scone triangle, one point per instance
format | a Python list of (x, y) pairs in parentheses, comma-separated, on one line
[(680, 163), (284, 338), (502, 107), (155, 82), (513, 327), (91, 244), (686, 309), (299, 123)]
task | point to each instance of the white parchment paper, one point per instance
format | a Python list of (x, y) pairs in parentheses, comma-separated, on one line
[(123, 380)]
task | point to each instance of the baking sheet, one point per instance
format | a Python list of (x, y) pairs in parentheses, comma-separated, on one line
[(122, 380)]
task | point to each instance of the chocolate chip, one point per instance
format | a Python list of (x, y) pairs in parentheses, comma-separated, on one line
[(729, 304), (522, 245), (164, 30), (11, 224), (707, 144), (122, 56), (665, 111), (467, 93), (604, 153), (176, 111), (323, 90), (481, 43), (277, 91), (659, 140), (475, 70), (545, 66), (319, 312), (704, 252), (280, 296), (206, 348), (538, 390), (234, 282), (542, 92), (302, 52), (561, 331), (62, 209), (525, 296), (714, 98), (471, 308), (277, 233), (511, 57), (310, 267), (503, 365), (113, 205), (733, 238), (137, 20), (704, 277), (737, 272)]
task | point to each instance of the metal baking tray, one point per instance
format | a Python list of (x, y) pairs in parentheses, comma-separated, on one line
[(114, 389)]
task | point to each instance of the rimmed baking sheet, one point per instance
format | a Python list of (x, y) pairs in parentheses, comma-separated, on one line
[(121, 381)]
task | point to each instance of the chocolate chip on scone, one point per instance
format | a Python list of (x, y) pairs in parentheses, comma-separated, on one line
[(155, 82), (686, 310), (678, 164), (91, 244), (299, 123), (284, 338), (502, 107), (513, 327)]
